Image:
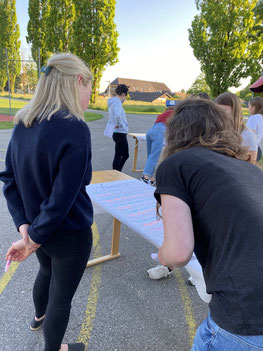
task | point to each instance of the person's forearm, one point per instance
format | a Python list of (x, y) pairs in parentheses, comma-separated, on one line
[(169, 258)]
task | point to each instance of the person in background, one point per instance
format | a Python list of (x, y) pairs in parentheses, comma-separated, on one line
[(203, 95), (155, 141), (117, 118), (255, 121), (48, 165), (210, 205), (232, 106)]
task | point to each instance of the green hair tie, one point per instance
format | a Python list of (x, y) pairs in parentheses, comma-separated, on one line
[(46, 69)]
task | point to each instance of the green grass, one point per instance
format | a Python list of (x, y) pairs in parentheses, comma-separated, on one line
[(89, 117), (92, 116), (131, 106), (15, 106), (6, 125), (17, 95)]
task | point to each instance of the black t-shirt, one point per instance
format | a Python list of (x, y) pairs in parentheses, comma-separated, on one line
[(225, 196)]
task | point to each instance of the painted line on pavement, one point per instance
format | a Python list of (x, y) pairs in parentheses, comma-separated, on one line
[(188, 309), (2, 149), (8, 276), (2, 160), (87, 325)]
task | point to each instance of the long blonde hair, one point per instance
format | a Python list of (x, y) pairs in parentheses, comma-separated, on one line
[(230, 99), (56, 89)]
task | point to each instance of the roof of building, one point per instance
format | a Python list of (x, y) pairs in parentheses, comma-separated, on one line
[(141, 85), (149, 97)]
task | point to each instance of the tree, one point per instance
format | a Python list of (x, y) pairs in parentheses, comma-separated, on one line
[(9, 39), (61, 15), (222, 39), (245, 93), (258, 33), (95, 36), (37, 28), (199, 85)]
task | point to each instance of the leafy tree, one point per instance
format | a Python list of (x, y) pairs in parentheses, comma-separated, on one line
[(61, 15), (245, 93), (258, 11), (222, 40), (37, 28), (95, 36), (258, 33), (199, 85), (9, 38)]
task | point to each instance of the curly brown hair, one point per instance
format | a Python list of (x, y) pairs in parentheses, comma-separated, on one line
[(201, 123)]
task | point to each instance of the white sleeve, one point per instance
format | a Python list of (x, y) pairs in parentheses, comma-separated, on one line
[(252, 123)]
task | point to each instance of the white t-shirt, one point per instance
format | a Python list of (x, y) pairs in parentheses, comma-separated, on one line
[(255, 122), (249, 139)]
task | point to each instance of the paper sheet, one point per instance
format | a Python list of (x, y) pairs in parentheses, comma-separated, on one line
[(132, 203)]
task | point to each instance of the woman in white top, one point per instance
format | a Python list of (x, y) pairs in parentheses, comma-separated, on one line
[(255, 121), (232, 105)]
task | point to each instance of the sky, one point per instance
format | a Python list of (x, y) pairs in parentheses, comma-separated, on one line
[(153, 41)]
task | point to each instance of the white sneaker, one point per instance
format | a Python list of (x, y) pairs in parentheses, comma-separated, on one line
[(158, 272), (191, 280)]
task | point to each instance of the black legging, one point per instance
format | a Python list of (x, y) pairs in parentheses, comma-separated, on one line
[(62, 263), (259, 155), (121, 150)]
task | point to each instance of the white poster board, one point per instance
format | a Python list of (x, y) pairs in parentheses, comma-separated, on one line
[(132, 202)]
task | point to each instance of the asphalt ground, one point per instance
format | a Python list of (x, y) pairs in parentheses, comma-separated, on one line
[(116, 307)]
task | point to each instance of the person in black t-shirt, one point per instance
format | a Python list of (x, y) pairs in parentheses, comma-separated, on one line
[(211, 205)]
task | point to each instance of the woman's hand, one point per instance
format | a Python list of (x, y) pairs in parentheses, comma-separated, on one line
[(23, 230), (21, 250)]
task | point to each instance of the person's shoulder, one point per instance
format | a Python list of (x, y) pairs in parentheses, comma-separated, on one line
[(257, 118), (68, 127), (190, 154)]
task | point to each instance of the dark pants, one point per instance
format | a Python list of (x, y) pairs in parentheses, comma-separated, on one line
[(121, 150), (62, 263), (259, 155)]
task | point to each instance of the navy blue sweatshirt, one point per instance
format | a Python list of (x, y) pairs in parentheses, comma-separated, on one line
[(47, 168)]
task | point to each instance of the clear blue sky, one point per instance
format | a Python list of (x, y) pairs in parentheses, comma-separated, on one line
[(153, 41)]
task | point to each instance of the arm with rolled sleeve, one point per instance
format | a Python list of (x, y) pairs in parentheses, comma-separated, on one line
[(74, 173)]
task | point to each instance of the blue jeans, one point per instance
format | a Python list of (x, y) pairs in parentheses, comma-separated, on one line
[(154, 139), (210, 337)]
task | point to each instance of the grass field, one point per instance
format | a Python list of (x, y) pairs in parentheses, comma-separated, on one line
[(89, 117), (15, 106), (6, 125), (17, 96)]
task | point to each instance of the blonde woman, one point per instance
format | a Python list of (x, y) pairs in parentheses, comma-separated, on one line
[(48, 165), (232, 106)]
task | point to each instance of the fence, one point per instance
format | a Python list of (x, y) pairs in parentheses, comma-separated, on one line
[(18, 75)]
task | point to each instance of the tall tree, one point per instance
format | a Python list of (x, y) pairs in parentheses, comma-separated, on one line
[(9, 39), (222, 39), (95, 36), (61, 15), (36, 29), (258, 30)]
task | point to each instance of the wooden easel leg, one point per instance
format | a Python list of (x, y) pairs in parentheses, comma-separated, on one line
[(115, 236), (114, 246), (134, 165)]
